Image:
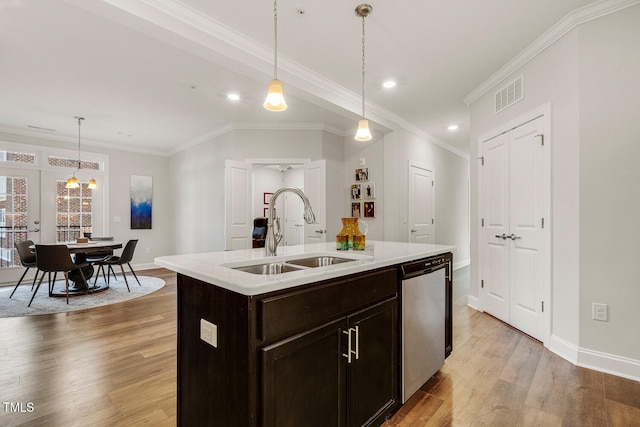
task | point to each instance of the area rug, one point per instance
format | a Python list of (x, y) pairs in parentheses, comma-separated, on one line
[(43, 304)]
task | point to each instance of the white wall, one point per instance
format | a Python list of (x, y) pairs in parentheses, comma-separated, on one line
[(550, 77), (373, 153), (200, 204), (609, 106), (451, 191), (590, 79), (333, 147), (265, 180), (158, 240)]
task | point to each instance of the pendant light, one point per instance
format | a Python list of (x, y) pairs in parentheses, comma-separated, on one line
[(275, 95), (73, 182), (363, 133)]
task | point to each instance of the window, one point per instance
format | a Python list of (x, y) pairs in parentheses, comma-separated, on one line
[(74, 211), (17, 157), (71, 163)]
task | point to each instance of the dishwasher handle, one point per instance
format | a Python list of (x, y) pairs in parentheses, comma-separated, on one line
[(419, 268)]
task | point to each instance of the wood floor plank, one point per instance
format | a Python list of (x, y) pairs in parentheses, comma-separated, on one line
[(549, 384)]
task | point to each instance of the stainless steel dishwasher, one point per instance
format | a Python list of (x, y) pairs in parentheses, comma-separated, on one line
[(424, 284)]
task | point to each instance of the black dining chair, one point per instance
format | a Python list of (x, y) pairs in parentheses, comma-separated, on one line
[(124, 258), (28, 261), (54, 259)]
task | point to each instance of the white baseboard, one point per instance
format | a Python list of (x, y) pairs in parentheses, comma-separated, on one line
[(563, 348), (598, 361), (473, 302), (609, 363), (145, 266), (460, 264)]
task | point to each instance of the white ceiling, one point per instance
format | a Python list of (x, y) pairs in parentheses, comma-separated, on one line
[(152, 75)]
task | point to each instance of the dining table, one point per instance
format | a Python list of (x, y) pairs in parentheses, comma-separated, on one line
[(81, 251)]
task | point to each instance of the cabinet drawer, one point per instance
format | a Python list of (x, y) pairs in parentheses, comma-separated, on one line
[(288, 313)]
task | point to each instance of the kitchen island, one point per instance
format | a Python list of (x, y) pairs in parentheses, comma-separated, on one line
[(313, 345)]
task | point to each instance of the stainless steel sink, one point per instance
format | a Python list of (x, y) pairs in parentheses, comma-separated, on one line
[(290, 265), (269, 268), (319, 261)]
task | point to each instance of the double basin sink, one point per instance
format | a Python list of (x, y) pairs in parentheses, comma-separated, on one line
[(279, 267)]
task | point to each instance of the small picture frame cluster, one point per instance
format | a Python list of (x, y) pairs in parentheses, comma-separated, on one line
[(363, 209), (363, 194)]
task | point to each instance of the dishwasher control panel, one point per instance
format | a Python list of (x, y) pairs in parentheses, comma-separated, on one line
[(423, 266)]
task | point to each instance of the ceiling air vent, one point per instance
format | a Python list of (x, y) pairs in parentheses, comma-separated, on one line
[(510, 94)]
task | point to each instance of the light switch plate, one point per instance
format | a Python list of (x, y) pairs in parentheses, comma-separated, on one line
[(209, 332)]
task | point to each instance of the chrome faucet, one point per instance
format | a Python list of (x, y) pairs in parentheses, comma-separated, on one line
[(275, 236)]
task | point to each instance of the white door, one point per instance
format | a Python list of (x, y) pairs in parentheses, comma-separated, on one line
[(514, 201), (238, 220), (19, 218), (421, 218), (527, 205), (315, 178), (293, 219), (495, 253)]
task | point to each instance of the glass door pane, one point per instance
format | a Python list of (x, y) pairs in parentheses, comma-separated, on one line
[(19, 217)]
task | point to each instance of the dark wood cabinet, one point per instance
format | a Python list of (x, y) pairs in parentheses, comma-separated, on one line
[(372, 377), (341, 374), (280, 357), (303, 380)]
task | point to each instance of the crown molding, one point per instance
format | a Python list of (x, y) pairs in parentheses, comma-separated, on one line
[(555, 33)]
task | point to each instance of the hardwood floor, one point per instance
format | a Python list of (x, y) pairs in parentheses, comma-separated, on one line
[(116, 366), (107, 366), (498, 376)]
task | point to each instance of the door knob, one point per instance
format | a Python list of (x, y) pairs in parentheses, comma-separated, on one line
[(503, 236), (34, 231), (414, 231), (514, 237), (320, 231)]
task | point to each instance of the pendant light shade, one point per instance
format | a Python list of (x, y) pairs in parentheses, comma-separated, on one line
[(92, 184), (363, 133), (72, 182), (275, 95)]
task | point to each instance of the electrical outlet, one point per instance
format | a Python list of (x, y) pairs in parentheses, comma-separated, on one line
[(148, 250), (209, 332), (599, 312)]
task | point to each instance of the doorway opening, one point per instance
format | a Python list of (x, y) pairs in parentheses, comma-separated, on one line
[(267, 178)]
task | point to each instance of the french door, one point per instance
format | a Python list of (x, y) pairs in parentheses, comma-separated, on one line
[(514, 202), (19, 217)]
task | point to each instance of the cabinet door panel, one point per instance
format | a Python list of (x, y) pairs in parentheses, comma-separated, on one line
[(303, 379), (372, 378)]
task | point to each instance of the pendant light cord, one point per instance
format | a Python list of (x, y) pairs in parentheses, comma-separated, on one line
[(79, 122), (275, 39), (363, 16)]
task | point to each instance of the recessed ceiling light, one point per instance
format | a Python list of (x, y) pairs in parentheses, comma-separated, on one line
[(389, 84), (233, 96), (453, 127)]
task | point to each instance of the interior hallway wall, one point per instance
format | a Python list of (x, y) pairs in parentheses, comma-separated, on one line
[(451, 191), (589, 77)]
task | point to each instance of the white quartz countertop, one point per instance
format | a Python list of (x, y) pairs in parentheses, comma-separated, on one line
[(216, 267)]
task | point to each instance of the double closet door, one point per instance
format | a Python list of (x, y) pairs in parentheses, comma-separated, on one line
[(514, 197)]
